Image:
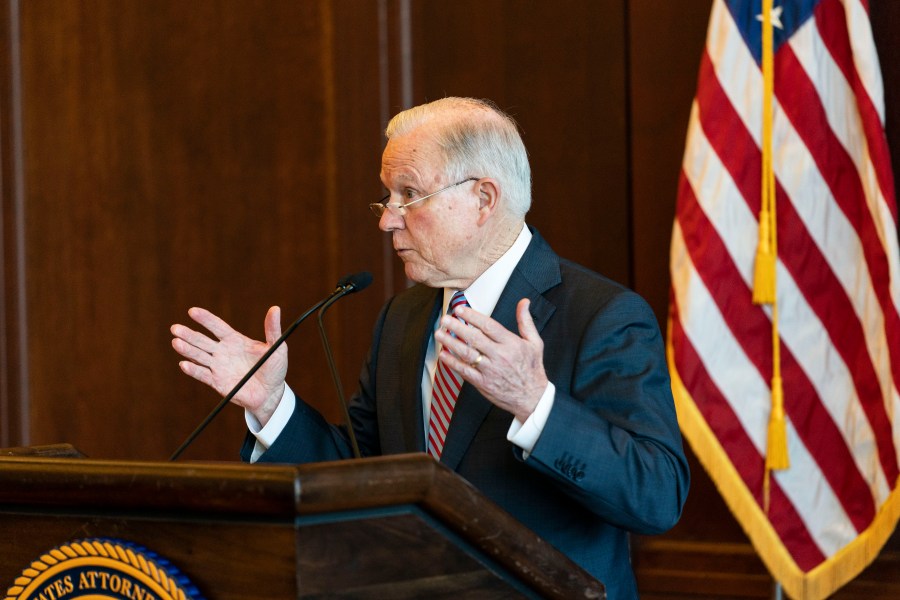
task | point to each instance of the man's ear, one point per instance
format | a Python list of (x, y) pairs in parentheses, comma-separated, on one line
[(489, 195)]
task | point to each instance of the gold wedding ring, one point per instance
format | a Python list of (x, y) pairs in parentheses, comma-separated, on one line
[(474, 363)]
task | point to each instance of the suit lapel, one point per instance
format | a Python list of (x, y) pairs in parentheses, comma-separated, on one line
[(537, 271), (412, 364)]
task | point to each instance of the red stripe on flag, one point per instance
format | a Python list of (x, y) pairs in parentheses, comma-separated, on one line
[(802, 105), (751, 328), (720, 417), (720, 128), (800, 254), (827, 298), (831, 21)]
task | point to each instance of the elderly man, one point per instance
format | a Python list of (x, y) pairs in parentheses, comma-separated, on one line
[(539, 381)]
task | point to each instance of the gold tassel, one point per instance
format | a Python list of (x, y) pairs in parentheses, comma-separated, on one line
[(776, 441), (764, 266), (766, 249), (776, 450), (764, 276)]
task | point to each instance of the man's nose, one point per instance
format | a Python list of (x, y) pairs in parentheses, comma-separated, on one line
[(390, 221)]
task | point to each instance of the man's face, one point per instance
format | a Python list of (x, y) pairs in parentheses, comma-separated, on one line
[(438, 239)]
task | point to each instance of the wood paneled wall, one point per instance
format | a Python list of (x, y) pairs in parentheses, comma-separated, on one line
[(217, 154), (221, 153), (160, 154)]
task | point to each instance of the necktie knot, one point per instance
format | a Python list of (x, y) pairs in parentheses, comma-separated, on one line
[(458, 299)]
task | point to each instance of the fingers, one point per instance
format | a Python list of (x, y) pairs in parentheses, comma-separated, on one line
[(273, 324), (214, 324), (473, 341), (194, 338), (527, 328), (478, 331), (201, 374), (195, 345), (459, 348), (198, 347), (481, 329), (192, 352), (482, 323), (464, 360)]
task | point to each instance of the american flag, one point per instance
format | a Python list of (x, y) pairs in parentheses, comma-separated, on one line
[(836, 315)]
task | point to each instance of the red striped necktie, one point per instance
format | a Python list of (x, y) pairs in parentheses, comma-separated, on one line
[(443, 394)]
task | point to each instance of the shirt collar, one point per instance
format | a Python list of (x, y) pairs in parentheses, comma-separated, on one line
[(485, 291)]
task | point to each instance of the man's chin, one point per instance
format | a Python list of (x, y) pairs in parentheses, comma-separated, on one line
[(415, 273), (431, 277), (425, 274)]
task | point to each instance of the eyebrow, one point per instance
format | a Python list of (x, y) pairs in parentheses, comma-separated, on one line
[(403, 178)]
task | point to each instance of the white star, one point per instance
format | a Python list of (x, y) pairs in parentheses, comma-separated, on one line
[(776, 17)]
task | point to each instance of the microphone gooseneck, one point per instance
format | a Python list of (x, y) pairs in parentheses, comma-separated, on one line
[(347, 285), (353, 283)]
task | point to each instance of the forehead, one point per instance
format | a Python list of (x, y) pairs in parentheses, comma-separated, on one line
[(415, 157)]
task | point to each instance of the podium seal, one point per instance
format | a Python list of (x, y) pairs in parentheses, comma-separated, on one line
[(101, 569)]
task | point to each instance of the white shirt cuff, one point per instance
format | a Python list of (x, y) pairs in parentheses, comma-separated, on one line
[(266, 436), (525, 435)]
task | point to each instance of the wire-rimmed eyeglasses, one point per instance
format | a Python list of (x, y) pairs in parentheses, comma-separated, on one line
[(400, 208)]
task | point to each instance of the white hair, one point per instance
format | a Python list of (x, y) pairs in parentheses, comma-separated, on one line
[(477, 140)]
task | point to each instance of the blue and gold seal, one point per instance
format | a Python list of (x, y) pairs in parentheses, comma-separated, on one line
[(101, 569)]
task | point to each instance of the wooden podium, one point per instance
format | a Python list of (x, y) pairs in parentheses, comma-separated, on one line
[(392, 527)]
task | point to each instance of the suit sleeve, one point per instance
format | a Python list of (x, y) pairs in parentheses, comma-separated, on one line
[(612, 440), (308, 437)]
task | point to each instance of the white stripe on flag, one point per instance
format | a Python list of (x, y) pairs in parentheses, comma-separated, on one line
[(865, 56), (799, 326), (728, 367)]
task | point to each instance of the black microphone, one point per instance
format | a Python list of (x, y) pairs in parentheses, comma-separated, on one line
[(347, 285), (362, 281)]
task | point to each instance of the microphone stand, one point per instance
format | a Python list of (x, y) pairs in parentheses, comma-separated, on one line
[(334, 376)]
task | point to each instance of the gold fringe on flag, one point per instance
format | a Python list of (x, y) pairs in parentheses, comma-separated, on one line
[(813, 585), (764, 279)]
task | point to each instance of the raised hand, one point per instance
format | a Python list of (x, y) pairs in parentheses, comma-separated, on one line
[(508, 369), (222, 361)]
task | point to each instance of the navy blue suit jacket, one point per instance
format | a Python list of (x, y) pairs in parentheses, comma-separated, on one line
[(610, 458)]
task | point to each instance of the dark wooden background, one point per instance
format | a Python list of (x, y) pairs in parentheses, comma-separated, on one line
[(161, 154)]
